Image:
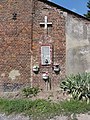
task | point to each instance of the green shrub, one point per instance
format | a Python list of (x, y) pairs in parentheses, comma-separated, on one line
[(28, 91), (78, 86)]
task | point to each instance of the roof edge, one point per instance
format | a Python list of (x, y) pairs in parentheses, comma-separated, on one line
[(64, 9)]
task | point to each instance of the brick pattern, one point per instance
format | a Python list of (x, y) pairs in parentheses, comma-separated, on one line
[(55, 38), (16, 42)]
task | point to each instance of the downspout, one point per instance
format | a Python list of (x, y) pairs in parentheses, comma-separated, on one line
[(31, 50)]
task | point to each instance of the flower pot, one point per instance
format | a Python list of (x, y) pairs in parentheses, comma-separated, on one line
[(35, 69), (56, 69), (45, 76)]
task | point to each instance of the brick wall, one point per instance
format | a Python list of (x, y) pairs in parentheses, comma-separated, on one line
[(15, 39), (20, 43), (54, 38)]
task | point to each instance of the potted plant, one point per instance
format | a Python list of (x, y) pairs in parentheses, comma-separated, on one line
[(45, 76), (56, 68), (35, 69)]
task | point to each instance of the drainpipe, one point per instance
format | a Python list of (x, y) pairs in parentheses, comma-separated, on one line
[(31, 50)]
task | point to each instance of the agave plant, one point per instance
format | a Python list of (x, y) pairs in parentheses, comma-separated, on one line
[(78, 86)]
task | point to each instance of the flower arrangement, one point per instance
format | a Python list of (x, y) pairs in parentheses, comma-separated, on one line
[(45, 76), (56, 68), (35, 68)]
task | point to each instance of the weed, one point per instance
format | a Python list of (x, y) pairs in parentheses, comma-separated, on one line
[(29, 92)]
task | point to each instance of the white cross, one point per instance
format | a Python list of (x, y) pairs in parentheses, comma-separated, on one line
[(46, 23)]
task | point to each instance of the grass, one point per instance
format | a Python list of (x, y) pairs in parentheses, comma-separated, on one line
[(42, 108), (75, 106)]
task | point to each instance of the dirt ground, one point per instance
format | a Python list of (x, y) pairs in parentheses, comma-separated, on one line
[(53, 95), (21, 117), (78, 117)]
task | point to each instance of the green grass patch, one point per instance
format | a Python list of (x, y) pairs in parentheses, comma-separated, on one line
[(42, 108), (75, 106)]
